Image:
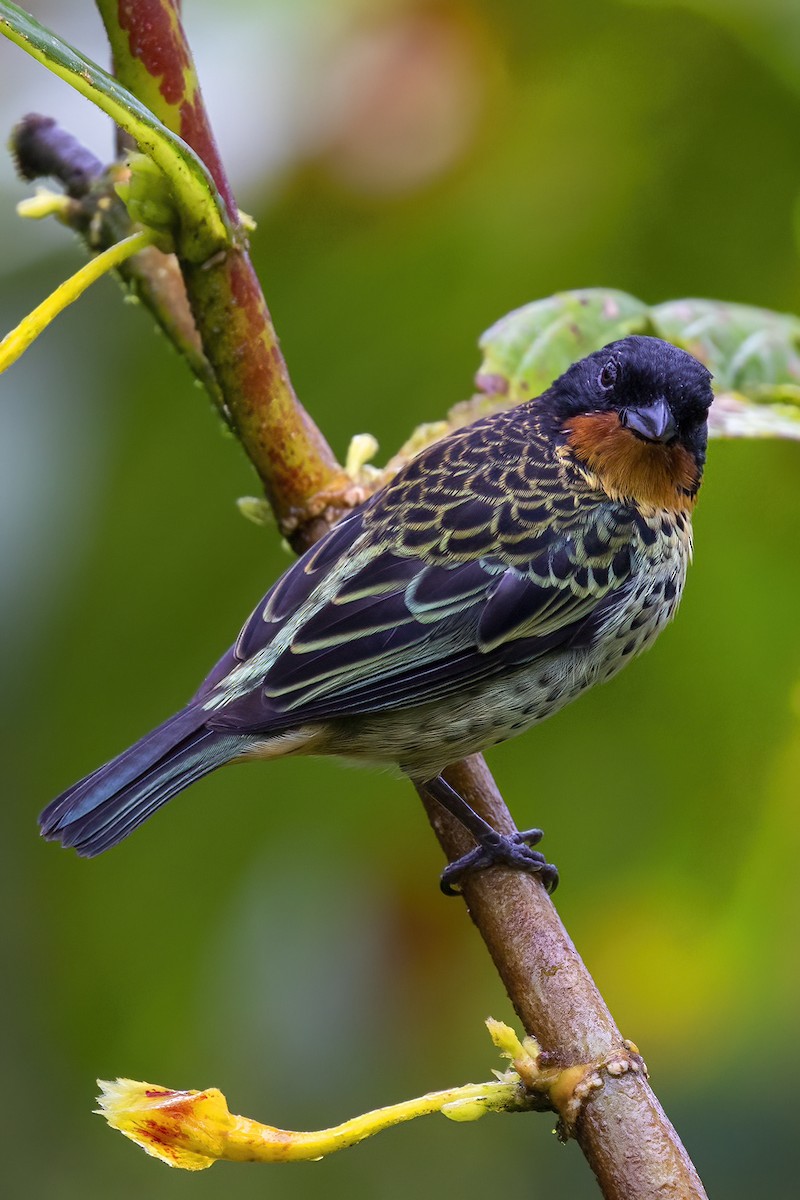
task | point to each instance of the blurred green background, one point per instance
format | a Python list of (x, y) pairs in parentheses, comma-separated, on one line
[(416, 171)]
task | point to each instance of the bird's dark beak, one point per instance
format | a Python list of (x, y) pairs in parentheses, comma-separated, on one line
[(653, 422)]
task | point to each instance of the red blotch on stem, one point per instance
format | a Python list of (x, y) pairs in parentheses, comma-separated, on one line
[(157, 40), (157, 43)]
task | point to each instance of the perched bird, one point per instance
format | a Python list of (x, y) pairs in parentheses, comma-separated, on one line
[(504, 570)]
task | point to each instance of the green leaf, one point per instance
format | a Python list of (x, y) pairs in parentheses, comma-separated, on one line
[(750, 350), (754, 354), (524, 351), (204, 225)]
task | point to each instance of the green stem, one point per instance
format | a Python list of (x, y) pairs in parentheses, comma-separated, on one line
[(15, 343)]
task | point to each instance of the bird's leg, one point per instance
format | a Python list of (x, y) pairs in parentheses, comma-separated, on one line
[(493, 848)]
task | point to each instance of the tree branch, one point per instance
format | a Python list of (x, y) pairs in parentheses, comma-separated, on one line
[(615, 1117), (624, 1133), (628, 1141)]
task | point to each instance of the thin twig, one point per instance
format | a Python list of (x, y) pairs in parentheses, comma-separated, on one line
[(42, 149)]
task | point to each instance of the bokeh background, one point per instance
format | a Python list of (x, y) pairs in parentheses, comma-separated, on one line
[(416, 170)]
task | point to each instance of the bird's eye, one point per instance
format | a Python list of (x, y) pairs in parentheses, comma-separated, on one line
[(608, 376)]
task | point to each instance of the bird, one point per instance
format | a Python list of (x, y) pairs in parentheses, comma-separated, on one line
[(508, 567)]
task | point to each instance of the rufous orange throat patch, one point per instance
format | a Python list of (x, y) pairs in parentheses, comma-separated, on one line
[(626, 467)]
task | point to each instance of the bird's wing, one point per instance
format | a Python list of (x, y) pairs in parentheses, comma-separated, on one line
[(374, 619), (428, 631)]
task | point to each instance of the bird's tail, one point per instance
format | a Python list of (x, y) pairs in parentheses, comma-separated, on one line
[(107, 805)]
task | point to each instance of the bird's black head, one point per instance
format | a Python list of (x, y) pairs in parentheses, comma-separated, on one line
[(636, 414)]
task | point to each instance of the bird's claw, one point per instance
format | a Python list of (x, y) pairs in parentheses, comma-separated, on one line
[(502, 850)]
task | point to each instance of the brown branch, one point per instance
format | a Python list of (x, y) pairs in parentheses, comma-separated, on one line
[(624, 1133), (627, 1139), (612, 1112)]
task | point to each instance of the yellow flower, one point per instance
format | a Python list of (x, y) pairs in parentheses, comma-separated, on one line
[(194, 1129)]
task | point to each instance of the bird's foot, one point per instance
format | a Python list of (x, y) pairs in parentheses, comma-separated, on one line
[(501, 850)]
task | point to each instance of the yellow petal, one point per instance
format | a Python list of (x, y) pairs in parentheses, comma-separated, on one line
[(183, 1129)]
